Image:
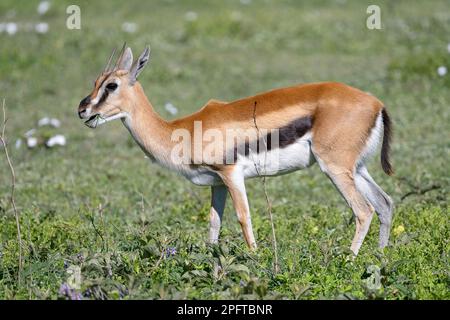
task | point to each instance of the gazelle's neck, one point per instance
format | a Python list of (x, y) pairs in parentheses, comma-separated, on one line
[(149, 130)]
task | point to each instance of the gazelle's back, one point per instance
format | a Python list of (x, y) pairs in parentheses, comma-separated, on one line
[(279, 107)]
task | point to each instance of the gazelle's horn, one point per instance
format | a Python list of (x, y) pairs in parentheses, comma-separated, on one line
[(120, 56), (109, 61)]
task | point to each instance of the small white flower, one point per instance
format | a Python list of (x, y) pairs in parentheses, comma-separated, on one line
[(41, 27), (442, 71), (58, 140), (32, 142), (55, 123), (49, 122), (43, 122), (191, 16), (129, 27), (11, 28), (43, 7), (171, 108)]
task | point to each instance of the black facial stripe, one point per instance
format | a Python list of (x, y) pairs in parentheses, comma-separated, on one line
[(103, 98)]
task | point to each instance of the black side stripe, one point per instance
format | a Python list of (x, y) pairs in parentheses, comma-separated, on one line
[(287, 135)]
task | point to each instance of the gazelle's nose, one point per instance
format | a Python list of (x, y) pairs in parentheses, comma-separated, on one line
[(83, 106), (85, 102), (81, 113)]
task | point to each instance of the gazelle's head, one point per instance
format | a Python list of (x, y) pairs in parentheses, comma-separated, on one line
[(113, 89)]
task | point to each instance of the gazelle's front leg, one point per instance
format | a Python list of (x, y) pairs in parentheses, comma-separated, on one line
[(236, 186), (218, 199)]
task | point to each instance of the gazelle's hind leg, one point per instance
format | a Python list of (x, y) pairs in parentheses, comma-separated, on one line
[(344, 180), (378, 199)]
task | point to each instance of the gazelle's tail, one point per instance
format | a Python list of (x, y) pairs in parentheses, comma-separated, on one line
[(386, 146)]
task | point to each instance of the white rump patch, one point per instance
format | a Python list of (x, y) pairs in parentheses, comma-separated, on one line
[(373, 140)]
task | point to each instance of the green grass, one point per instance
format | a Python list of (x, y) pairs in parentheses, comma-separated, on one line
[(98, 206)]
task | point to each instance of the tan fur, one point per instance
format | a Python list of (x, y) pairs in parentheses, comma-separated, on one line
[(240, 203), (343, 116), (342, 119)]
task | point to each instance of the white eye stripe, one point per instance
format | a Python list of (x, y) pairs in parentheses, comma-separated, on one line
[(99, 95)]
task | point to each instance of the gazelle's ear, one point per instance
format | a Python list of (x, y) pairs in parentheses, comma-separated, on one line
[(139, 65), (126, 60)]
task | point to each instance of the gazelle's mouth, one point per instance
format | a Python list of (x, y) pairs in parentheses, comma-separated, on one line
[(92, 122), (98, 119)]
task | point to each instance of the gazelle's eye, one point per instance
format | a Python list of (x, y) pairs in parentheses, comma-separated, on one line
[(111, 86)]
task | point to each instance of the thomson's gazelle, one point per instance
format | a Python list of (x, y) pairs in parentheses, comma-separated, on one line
[(271, 133)]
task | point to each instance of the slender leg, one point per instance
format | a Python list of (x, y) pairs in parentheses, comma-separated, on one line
[(380, 201), (343, 179), (236, 186), (218, 199), (363, 211)]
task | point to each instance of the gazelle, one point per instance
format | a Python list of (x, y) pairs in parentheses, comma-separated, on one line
[(330, 123)]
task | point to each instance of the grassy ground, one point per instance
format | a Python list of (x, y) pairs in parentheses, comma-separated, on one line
[(134, 230)]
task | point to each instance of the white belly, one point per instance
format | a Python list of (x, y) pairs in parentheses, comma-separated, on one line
[(279, 161), (275, 162), (202, 177)]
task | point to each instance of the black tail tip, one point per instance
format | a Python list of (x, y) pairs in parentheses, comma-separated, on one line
[(387, 168), (386, 146)]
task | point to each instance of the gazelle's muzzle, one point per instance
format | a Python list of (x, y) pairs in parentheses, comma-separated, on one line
[(97, 119), (85, 112), (82, 108)]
